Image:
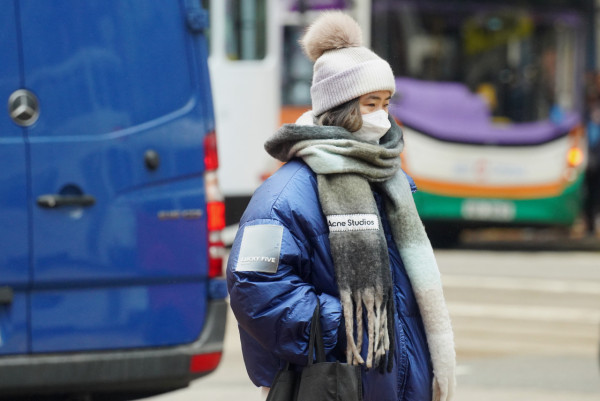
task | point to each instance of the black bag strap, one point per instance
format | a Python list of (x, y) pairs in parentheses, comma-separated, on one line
[(315, 342)]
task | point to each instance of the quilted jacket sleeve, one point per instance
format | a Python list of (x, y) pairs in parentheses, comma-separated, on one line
[(271, 294)]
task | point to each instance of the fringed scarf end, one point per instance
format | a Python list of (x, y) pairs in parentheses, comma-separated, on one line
[(380, 328)]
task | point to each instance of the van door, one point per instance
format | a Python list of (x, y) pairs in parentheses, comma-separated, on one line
[(14, 213), (119, 229)]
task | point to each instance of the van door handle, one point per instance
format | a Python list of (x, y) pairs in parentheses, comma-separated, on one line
[(6, 295), (54, 201)]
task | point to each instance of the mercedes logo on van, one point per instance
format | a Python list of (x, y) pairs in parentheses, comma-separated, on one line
[(23, 107)]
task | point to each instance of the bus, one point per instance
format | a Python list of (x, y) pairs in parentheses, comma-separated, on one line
[(253, 58), (490, 96)]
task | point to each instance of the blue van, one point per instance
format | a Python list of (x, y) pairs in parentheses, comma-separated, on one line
[(110, 211)]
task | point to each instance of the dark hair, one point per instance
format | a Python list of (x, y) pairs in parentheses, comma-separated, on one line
[(346, 115)]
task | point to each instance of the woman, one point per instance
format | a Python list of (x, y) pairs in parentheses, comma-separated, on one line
[(337, 225)]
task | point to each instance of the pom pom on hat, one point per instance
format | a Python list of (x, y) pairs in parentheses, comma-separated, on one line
[(332, 30), (344, 69)]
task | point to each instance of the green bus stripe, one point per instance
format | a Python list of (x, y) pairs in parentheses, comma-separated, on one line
[(558, 210)]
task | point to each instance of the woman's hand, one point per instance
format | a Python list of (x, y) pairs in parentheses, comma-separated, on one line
[(443, 358)]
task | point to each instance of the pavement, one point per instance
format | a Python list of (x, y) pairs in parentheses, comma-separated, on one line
[(526, 322)]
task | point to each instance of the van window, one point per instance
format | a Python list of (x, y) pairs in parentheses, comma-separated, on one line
[(246, 29)]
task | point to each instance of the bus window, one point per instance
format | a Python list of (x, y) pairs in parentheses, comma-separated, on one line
[(522, 62), (297, 69), (246, 29)]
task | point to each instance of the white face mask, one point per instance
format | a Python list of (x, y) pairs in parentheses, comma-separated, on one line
[(375, 125)]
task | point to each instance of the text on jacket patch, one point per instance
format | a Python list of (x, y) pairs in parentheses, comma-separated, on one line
[(260, 248), (352, 222), (256, 259)]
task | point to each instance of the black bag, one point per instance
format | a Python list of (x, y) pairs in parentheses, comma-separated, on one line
[(319, 380)]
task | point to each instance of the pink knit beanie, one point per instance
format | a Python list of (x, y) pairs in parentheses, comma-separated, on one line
[(344, 69)]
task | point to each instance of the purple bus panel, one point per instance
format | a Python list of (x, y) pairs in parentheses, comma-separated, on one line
[(450, 112), (542, 13), (319, 4)]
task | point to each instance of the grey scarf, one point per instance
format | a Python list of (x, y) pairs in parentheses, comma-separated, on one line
[(346, 168)]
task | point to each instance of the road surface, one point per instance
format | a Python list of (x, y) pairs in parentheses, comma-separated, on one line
[(527, 327)]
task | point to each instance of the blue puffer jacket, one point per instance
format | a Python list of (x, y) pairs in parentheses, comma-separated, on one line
[(274, 306)]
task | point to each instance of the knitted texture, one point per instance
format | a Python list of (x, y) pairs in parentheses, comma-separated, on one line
[(346, 168), (343, 69)]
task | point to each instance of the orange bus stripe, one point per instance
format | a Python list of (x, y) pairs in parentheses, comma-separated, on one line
[(289, 114), (483, 191)]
